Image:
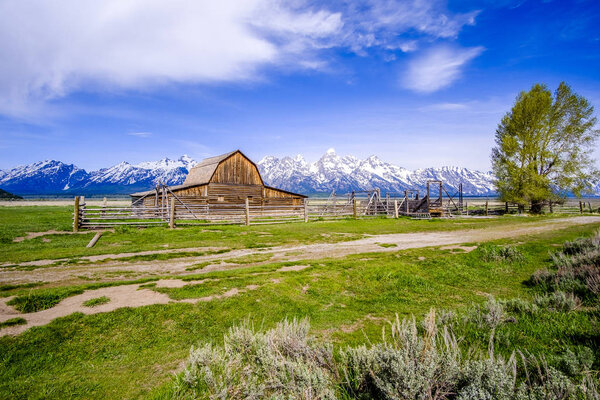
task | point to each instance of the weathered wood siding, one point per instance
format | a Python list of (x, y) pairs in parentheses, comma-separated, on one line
[(234, 194), (273, 196), (237, 170)]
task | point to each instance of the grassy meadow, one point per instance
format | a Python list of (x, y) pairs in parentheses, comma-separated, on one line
[(138, 352)]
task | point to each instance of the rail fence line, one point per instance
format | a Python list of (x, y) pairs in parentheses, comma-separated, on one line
[(181, 214)]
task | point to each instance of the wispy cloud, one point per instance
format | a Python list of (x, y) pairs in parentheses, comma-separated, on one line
[(445, 107), (51, 49), (438, 67), (140, 134)]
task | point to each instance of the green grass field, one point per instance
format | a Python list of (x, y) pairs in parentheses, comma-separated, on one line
[(18, 221), (134, 352)]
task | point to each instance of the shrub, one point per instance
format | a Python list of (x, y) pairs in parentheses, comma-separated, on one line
[(520, 306), (283, 362), (414, 361), (557, 301), (495, 253), (488, 314), (576, 362), (409, 366), (576, 269)]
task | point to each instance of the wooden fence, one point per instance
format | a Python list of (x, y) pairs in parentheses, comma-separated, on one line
[(177, 214), (569, 207), (181, 214)]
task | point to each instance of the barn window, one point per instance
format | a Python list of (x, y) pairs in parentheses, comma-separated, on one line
[(220, 198)]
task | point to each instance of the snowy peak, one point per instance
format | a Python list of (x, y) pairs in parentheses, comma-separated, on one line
[(347, 173), (167, 164)]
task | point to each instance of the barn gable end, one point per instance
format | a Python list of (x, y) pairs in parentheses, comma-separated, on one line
[(237, 169), (230, 168)]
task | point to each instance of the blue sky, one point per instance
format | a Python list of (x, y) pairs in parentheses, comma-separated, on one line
[(418, 83)]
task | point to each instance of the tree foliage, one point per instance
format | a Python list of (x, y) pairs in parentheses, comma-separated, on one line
[(544, 147)]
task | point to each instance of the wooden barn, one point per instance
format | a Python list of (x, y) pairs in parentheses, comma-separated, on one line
[(226, 180)]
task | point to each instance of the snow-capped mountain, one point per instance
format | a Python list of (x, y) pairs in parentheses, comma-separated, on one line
[(344, 174), (42, 177), (55, 177), (143, 175), (330, 172)]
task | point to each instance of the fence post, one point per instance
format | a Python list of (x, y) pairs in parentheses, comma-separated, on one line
[(551, 208), (590, 206), (76, 215), (354, 208), (486, 208), (247, 211), (506, 207), (172, 215), (580, 207), (395, 208), (305, 210), (467, 207)]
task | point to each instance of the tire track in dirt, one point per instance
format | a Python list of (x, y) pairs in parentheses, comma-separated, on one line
[(401, 241)]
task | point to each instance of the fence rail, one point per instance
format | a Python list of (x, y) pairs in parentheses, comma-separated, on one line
[(178, 213), (173, 214)]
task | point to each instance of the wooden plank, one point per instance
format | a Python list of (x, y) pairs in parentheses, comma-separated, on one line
[(94, 240)]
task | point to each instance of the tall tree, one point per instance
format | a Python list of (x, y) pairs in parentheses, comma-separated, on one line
[(544, 147)]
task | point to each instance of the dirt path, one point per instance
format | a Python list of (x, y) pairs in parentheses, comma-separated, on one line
[(177, 266), (120, 296)]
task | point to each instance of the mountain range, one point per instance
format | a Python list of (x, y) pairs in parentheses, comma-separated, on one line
[(330, 172)]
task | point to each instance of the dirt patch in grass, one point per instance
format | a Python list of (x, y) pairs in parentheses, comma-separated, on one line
[(33, 235), (120, 296), (104, 300), (176, 283)]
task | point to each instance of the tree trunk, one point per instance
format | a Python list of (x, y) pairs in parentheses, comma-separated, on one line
[(537, 206)]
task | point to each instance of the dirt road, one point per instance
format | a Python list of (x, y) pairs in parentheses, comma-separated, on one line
[(178, 266)]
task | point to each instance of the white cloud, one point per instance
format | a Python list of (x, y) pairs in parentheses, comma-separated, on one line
[(438, 68), (445, 107), (140, 134), (49, 49), (380, 22)]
